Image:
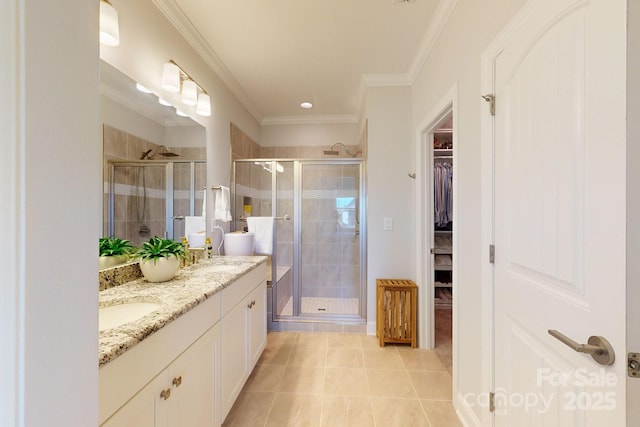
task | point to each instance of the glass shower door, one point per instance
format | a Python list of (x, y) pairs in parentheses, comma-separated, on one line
[(284, 265), (137, 201), (189, 180), (330, 275)]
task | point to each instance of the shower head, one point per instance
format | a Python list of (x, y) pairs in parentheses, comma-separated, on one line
[(334, 152), (168, 153), (151, 153)]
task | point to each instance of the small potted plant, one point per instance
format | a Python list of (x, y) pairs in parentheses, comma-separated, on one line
[(114, 251), (160, 259)]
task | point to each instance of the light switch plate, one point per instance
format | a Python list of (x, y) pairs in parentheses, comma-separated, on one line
[(388, 224)]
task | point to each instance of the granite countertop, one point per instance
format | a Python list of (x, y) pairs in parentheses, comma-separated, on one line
[(191, 286)]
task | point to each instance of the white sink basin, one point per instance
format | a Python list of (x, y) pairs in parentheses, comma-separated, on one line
[(116, 315)]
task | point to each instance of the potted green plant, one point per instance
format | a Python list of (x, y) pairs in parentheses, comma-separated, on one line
[(160, 258), (114, 251)]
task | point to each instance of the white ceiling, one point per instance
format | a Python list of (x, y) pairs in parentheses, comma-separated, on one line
[(275, 54)]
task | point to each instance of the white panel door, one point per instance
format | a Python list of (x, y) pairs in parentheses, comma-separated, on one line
[(560, 214)]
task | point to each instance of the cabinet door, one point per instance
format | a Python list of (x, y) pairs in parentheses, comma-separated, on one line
[(234, 357), (145, 409), (257, 324), (191, 378)]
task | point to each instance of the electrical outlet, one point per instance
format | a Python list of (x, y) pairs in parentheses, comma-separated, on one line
[(388, 224)]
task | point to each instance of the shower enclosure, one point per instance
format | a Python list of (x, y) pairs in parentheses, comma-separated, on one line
[(318, 261), (151, 198)]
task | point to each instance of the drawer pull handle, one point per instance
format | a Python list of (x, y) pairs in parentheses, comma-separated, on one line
[(177, 381), (165, 394)]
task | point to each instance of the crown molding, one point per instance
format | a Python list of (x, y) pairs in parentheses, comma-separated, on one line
[(307, 120), (440, 18), (178, 19), (436, 25)]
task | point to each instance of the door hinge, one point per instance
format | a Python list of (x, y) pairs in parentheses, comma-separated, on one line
[(491, 99), (633, 365), (492, 254), (492, 402)]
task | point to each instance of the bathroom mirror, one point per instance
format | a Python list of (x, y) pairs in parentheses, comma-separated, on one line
[(153, 162)]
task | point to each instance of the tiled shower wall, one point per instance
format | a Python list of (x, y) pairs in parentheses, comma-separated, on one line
[(129, 201)]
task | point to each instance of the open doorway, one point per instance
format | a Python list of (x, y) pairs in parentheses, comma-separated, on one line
[(442, 238)]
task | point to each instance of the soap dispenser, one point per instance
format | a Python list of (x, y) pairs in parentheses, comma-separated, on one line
[(209, 248)]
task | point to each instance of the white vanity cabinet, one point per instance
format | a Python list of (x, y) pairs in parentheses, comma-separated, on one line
[(173, 374), (243, 333), (189, 372), (181, 395)]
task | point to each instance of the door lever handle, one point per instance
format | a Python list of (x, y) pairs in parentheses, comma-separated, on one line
[(598, 347)]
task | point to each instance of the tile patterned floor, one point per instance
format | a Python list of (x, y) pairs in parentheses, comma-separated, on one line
[(323, 305), (329, 379)]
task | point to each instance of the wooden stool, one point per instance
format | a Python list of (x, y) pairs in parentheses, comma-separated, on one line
[(396, 316)]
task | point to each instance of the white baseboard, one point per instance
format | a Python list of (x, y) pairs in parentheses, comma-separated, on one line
[(371, 328), (465, 413)]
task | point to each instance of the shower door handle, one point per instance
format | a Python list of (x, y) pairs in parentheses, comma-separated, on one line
[(178, 217)]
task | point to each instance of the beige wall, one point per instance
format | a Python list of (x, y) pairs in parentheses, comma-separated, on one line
[(50, 221), (455, 60)]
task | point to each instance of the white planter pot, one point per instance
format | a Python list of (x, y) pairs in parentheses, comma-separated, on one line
[(110, 261), (161, 270)]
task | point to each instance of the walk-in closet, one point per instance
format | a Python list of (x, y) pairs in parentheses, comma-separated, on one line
[(443, 236)]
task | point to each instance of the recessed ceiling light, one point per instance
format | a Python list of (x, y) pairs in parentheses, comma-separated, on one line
[(142, 88), (306, 105), (163, 102)]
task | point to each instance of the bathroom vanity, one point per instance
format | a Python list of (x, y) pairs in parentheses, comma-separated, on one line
[(185, 362)]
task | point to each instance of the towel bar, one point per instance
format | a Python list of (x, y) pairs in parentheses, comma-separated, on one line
[(277, 218)]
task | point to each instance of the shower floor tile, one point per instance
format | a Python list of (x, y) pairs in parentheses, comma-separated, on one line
[(323, 305)]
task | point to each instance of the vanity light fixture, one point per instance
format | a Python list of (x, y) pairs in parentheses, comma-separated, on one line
[(204, 105), (174, 79), (109, 28), (189, 93), (171, 77), (306, 105)]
